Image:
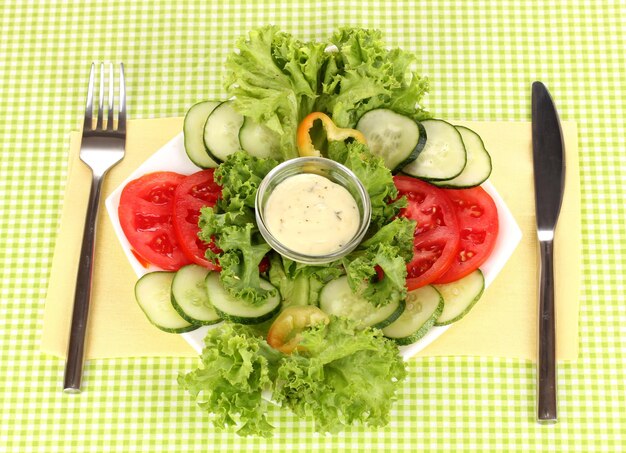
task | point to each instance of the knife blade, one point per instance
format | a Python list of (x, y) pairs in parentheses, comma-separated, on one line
[(549, 175)]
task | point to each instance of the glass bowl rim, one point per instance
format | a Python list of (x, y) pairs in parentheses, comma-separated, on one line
[(324, 163)]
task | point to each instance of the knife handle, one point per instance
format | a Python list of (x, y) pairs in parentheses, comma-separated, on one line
[(546, 360)]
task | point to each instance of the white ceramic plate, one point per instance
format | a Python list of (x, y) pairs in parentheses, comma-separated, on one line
[(172, 157)]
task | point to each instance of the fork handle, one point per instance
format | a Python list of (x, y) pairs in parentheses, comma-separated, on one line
[(546, 361), (82, 295)]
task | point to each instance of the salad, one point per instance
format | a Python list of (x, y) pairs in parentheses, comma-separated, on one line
[(321, 340)]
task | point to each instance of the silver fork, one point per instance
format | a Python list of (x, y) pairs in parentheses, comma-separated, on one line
[(102, 147)]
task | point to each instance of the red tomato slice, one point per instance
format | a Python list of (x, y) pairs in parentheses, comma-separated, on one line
[(264, 265), (478, 226), (194, 192), (145, 213), (436, 236)]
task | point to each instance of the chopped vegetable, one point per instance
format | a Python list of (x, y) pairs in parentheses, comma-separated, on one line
[(375, 177), (423, 307), (278, 80), (274, 78), (396, 138), (236, 369), (363, 74), (285, 333), (478, 230), (306, 147), (460, 296), (343, 375), (348, 375), (300, 284), (232, 227), (192, 194), (337, 298), (145, 213), (436, 235), (388, 250)]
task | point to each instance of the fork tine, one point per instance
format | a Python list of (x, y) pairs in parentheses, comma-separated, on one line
[(101, 99), (88, 124), (111, 99), (121, 121)]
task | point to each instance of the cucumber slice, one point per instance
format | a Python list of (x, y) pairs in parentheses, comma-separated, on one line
[(193, 132), (238, 310), (221, 131), (460, 296), (396, 138), (259, 140), (189, 296), (338, 299), (423, 307), (443, 157), (478, 167), (153, 294)]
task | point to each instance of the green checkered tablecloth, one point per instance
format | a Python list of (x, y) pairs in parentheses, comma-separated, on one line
[(481, 57)]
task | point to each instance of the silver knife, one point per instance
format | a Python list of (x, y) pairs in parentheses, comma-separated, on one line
[(549, 171)]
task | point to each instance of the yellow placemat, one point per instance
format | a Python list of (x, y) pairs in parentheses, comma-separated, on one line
[(502, 324)]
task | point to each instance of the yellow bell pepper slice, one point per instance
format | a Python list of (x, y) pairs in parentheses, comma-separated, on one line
[(333, 133)]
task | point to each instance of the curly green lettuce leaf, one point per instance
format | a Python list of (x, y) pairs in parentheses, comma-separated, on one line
[(397, 233), (237, 367), (274, 78), (232, 227), (365, 75), (240, 176), (242, 251), (374, 175), (345, 376), (389, 249)]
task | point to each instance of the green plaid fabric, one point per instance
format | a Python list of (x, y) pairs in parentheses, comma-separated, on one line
[(481, 57)]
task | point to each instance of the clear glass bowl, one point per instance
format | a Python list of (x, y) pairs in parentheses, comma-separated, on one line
[(327, 168)]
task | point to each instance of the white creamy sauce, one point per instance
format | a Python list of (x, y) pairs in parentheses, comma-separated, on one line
[(311, 215)]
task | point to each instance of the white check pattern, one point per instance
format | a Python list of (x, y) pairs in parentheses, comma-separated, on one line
[(481, 57)]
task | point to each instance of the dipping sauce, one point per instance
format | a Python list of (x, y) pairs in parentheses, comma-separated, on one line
[(311, 215)]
